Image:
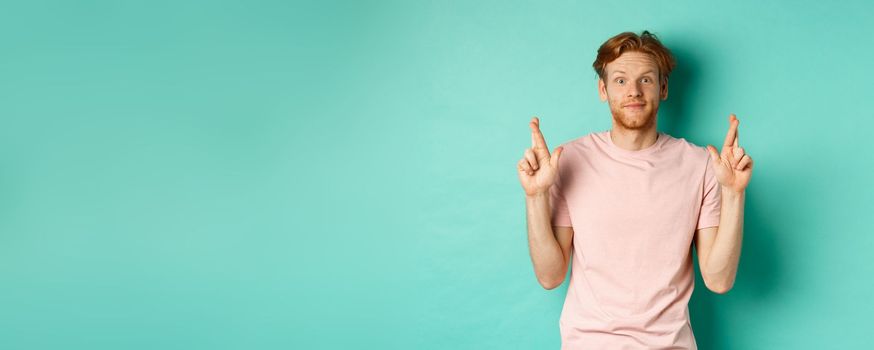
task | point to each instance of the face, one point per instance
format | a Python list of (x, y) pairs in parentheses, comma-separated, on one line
[(633, 90)]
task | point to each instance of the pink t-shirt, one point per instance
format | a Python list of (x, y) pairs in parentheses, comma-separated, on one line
[(634, 215)]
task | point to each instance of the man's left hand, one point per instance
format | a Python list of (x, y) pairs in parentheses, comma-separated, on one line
[(732, 166)]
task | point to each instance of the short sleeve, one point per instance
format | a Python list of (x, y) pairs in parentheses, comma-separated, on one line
[(558, 203), (712, 202)]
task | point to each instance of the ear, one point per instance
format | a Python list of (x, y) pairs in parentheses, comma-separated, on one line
[(664, 90), (602, 89)]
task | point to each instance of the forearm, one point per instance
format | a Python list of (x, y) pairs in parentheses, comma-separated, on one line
[(722, 262), (546, 255)]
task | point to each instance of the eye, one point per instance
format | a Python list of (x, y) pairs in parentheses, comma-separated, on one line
[(620, 81), (647, 80)]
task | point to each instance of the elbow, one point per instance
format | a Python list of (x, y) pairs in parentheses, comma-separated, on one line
[(550, 284), (719, 283), (719, 290), (719, 287)]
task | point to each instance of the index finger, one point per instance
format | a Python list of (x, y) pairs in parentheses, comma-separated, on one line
[(731, 136), (537, 140)]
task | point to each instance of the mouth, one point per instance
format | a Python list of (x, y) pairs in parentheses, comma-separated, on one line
[(634, 105)]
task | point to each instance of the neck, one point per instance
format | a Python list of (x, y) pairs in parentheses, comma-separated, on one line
[(633, 140)]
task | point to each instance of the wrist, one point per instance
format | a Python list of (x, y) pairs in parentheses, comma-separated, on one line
[(730, 193), (537, 196)]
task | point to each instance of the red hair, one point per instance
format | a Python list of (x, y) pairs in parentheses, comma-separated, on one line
[(646, 43)]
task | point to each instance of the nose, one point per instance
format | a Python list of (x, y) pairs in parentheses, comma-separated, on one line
[(634, 89)]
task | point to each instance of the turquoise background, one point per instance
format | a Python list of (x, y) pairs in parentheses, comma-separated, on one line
[(336, 175)]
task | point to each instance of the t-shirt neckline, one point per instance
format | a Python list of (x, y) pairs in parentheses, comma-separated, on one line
[(662, 137)]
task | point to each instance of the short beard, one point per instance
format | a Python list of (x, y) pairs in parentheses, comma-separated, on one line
[(630, 124)]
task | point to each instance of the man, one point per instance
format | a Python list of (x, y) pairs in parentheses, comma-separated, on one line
[(630, 202)]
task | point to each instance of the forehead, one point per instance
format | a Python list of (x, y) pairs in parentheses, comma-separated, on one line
[(632, 63)]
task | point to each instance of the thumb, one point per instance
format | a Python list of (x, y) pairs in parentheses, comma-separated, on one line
[(555, 154), (714, 156)]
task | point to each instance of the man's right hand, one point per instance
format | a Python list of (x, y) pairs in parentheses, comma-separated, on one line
[(538, 169)]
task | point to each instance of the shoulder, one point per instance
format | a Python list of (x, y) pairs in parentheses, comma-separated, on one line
[(584, 143), (690, 157), (578, 153), (686, 149)]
